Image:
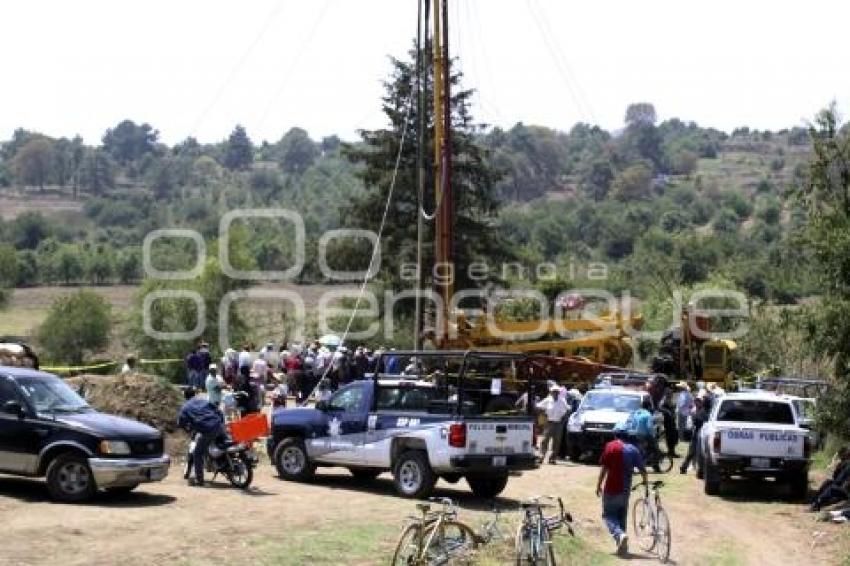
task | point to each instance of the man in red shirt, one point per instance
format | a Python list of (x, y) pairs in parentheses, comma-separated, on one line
[(618, 461)]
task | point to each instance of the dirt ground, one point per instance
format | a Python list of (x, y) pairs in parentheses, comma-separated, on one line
[(337, 520)]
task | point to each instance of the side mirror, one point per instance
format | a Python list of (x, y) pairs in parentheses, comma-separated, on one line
[(14, 408), (321, 405)]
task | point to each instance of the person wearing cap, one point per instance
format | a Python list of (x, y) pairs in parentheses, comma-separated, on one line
[(617, 464), (556, 408), (214, 385)]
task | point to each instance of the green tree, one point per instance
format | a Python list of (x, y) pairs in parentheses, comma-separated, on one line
[(129, 266), (33, 162), (76, 326), (476, 207), (297, 151), (128, 141), (96, 172), (180, 315), (640, 114), (69, 266), (8, 272), (633, 183), (826, 194), (28, 230), (239, 151)]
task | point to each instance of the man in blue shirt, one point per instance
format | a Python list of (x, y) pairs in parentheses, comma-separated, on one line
[(198, 415), (641, 427)]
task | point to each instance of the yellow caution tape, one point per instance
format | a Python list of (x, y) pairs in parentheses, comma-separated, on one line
[(67, 369)]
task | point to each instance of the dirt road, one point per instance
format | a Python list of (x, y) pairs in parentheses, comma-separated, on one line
[(337, 520)]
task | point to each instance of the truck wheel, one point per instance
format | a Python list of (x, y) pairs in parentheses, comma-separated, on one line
[(69, 478), (292, 462), (488, 486), (413, 476), (712, 480), (799, 484), (365, 474)]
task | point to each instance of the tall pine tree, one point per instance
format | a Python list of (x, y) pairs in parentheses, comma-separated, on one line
[(476, 234)]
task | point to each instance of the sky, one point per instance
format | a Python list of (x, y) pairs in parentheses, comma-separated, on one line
[(197, 68)]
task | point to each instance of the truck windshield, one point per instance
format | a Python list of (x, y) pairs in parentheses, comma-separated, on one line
[(50, 394), (596, 400), (752, 411)]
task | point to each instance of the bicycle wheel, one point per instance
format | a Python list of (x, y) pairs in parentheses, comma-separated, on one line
[(451, 540), (644, 523), (407, 550), (548, 550), (522, 545), (662, 535)]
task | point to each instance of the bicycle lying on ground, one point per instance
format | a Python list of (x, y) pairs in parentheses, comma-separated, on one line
[(436, 537), (652, 527), (534, 535)]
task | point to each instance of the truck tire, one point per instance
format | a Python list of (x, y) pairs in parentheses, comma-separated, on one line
[(69, 478), (799, 485), (487, 486), (365, 474), (712, 479), (292, 462), (413, 476)]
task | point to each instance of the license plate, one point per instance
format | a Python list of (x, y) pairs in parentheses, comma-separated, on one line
[(760, 462), (156, 474), (500, 460)]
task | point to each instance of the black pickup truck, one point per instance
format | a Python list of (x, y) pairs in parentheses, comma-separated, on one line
[(46, 429)]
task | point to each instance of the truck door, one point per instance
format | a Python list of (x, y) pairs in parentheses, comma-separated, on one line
[(19, 438), (346, 418)]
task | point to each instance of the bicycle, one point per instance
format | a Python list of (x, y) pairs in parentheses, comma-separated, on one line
[(652, 527), (436, 537), (533, 543)]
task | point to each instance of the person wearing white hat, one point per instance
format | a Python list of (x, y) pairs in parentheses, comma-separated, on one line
[(555, 407)]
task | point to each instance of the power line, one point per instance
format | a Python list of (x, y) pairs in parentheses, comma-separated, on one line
[(269, 20)]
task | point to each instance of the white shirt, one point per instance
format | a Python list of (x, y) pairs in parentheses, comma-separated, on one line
[(555, 408), (245, 359)]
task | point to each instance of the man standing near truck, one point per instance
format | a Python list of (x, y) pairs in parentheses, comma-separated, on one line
[(618, 461), (555, 406)]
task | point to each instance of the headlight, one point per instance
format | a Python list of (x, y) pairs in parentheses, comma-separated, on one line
[(574, 425), (114, 448)]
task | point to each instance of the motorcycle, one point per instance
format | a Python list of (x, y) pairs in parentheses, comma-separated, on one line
[(235, 461)]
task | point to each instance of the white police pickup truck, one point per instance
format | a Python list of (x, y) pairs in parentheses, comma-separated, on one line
[(754, 435), (418, 430)]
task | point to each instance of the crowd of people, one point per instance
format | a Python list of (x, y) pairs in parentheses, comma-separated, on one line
[(241, 378)]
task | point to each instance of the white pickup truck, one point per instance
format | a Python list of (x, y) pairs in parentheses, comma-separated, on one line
[(754, 435), (418, 430)]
